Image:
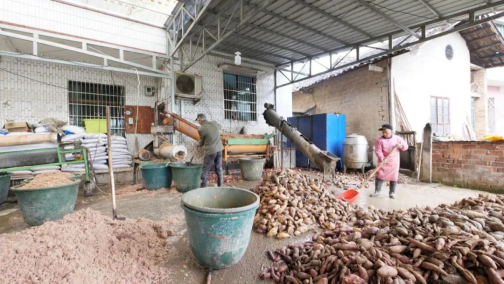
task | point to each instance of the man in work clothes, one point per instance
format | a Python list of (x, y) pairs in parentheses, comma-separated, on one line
[(210, 139), (390, 169)]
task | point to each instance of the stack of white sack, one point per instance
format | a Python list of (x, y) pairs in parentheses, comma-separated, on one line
[(95, 144), (121, 157)]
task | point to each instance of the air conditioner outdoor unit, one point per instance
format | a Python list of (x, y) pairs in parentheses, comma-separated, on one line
[(188, 86)]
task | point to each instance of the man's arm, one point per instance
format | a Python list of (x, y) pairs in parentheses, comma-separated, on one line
[(201, 142)]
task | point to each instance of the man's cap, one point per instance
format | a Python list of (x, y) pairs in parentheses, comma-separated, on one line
[(386, 126), (200, 116)]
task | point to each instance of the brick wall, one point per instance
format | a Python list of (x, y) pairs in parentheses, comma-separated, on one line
[(478, 165), (360, 94)]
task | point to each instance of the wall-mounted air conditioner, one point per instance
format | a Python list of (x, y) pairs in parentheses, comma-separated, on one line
[(188, 86)]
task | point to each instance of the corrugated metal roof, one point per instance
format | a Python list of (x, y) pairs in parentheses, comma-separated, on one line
[(289, 30), (397, 42)]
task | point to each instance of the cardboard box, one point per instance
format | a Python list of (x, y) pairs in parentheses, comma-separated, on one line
[(17, 126)]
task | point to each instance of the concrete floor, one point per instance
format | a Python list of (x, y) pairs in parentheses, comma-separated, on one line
[(165, 205)]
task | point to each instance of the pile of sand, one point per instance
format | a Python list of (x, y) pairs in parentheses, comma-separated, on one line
[(86, 247), (49, 180)]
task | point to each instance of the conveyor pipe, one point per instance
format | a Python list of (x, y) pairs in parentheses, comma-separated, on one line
[(324, 160), (182, 125)]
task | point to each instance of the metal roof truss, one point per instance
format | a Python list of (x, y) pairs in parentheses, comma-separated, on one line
[(300, 70)]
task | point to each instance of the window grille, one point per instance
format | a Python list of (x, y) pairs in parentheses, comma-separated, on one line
[(240, 100), (440, 116), (89, 101)]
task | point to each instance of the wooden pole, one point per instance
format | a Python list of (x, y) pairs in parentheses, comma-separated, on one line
[(111, 170)]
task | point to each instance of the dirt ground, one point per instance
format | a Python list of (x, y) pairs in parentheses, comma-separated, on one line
[(164, 205)]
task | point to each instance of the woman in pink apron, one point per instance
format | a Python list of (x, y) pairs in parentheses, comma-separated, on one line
[(390, 170)]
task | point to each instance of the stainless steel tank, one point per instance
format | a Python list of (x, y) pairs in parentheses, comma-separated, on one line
[(355, 152)]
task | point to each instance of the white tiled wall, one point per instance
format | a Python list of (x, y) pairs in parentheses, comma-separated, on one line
[(22, 99), (213, 103), (62, 18)]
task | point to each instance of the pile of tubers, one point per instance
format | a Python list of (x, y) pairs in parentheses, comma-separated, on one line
[(458, 243), (292, 203)]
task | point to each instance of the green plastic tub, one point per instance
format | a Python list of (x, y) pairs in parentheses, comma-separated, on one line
[(4, 186), (156, 176), (251, 168), (186, 176), (219, 223), (46, 204)]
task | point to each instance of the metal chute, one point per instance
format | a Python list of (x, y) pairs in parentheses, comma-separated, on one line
[(324, 160)]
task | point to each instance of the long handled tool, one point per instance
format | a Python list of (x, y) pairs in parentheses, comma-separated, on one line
[(378, 167), (351, 195), (111, 169)]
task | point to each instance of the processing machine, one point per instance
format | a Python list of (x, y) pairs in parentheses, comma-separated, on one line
[(235, 145), (324, 160)]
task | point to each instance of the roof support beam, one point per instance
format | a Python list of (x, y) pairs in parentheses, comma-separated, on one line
[(223, 37), (253, 60), (178, 20), (332, 17), (486, 47), (84, 49), (460, 27), (390, 36), (491, 56), (385, 16), (272, 32), (240, 47), (259, 41), (430, 8), (80, 64), (300, 25), (482, 38)]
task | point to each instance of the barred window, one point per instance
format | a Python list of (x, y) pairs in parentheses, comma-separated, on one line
[(89, 101), (240, 100)]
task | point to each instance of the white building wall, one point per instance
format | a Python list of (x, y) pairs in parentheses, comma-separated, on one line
[(23, 99), (426, 72), (56, 17), (498, 94), (212, 105), (495, 77)]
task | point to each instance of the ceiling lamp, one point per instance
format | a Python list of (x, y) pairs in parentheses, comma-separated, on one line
[(237, 58)]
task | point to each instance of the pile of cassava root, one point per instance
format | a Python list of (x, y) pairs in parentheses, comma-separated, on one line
[(292, 203), (459, 243)]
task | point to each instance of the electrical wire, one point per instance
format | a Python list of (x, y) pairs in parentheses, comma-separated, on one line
[(5, 70)]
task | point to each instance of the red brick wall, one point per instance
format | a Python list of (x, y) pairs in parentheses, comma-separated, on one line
[(478, 165)]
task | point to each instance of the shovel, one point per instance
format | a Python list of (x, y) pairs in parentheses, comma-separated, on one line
[(351, 194)]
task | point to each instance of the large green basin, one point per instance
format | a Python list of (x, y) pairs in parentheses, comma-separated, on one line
[(156, 176), (186, 176), (46, 204), (219, 222), (251, 168)]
